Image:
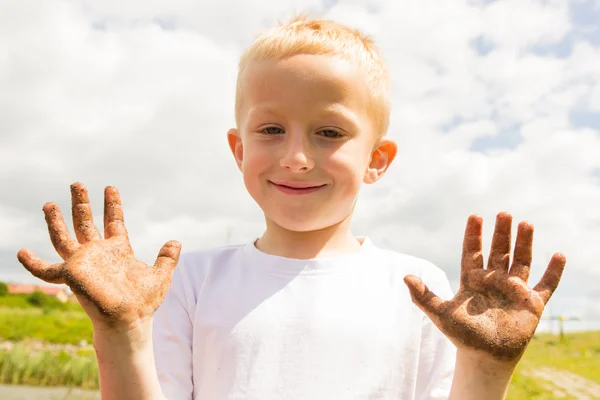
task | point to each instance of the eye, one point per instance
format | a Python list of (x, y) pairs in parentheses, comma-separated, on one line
[(330, 133), (272, 130)]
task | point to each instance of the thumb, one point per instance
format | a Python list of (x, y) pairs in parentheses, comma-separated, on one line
[(423, 298), (39, 268), (168, 257)]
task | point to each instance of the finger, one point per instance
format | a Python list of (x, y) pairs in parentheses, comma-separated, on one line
[(59, 234), (83, 220), (114, 224), (168, 257), (500, 251), (549, 282), (472, 257), (39, 268), (424, 298), (523, 252)]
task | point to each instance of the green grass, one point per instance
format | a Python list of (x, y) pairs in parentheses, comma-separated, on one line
[(53, 326), (525, 388), (15, 301), (23, 301), (579, 353), (22, 366), (54, 322)]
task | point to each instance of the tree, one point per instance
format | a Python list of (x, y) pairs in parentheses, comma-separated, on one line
[(3, 289)]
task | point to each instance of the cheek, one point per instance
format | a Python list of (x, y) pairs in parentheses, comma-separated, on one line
[(254, 159), (348, 169)]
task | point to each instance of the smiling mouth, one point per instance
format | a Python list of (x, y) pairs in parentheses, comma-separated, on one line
[(296, 190)]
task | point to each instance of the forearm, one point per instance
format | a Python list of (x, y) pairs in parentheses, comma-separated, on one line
[(475, 380), (126, 364)]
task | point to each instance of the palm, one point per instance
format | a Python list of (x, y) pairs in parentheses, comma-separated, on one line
[(494, 310), (499, 319), (113, 287), (109, 277)]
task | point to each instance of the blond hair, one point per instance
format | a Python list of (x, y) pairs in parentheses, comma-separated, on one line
[(303, 35)]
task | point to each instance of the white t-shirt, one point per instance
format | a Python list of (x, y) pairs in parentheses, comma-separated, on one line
[(241, 324)]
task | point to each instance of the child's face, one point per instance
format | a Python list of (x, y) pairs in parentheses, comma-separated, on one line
[(305, 142)]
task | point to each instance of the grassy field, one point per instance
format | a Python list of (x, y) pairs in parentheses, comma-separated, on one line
[(46, 346), (50, 325), (21, 365), (25, 301), (578, 354)]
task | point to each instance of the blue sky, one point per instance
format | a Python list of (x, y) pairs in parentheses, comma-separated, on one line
[(585, 17)]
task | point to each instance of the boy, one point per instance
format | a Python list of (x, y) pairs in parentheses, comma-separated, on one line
[(307, 311)]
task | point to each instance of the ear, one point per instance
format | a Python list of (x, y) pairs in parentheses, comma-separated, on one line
[(235, 144), (381, 158)]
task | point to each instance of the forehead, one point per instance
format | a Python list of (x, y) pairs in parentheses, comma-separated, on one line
[(304, 82)]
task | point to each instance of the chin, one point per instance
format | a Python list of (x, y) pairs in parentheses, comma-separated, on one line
[(300, 227), (303, 222)]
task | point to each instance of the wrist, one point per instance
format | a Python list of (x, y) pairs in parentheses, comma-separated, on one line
[(480, 377), (126, 364), (129, 338), (483, 365)]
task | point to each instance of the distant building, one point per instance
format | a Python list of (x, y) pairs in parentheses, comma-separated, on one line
[(56, 291)]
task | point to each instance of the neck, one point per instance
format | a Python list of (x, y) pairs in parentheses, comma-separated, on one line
[(335, 239)]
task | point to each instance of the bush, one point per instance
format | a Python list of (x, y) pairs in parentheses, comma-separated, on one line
[(3, 289), (38, 299), (47, 303)]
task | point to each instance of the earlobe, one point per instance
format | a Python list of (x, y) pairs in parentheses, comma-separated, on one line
[(235, 144), (381, 158)]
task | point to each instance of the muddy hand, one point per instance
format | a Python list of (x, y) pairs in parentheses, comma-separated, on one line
[(114, 288), (494, 314)]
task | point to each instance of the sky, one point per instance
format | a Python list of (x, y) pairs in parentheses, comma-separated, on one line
[(495, 107)]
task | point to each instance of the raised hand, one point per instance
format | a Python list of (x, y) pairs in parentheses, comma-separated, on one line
[(494, 313), (115, 289)]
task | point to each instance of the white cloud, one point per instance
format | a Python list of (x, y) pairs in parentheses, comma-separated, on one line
[(140, 95), (517, 24)]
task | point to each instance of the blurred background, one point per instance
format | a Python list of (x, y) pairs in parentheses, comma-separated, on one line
[(496, 107)]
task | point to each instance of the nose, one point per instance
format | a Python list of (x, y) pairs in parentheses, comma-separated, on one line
[(296, 154)]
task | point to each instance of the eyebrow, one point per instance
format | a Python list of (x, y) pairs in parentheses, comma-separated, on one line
[(266, 109), (340, 111)]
